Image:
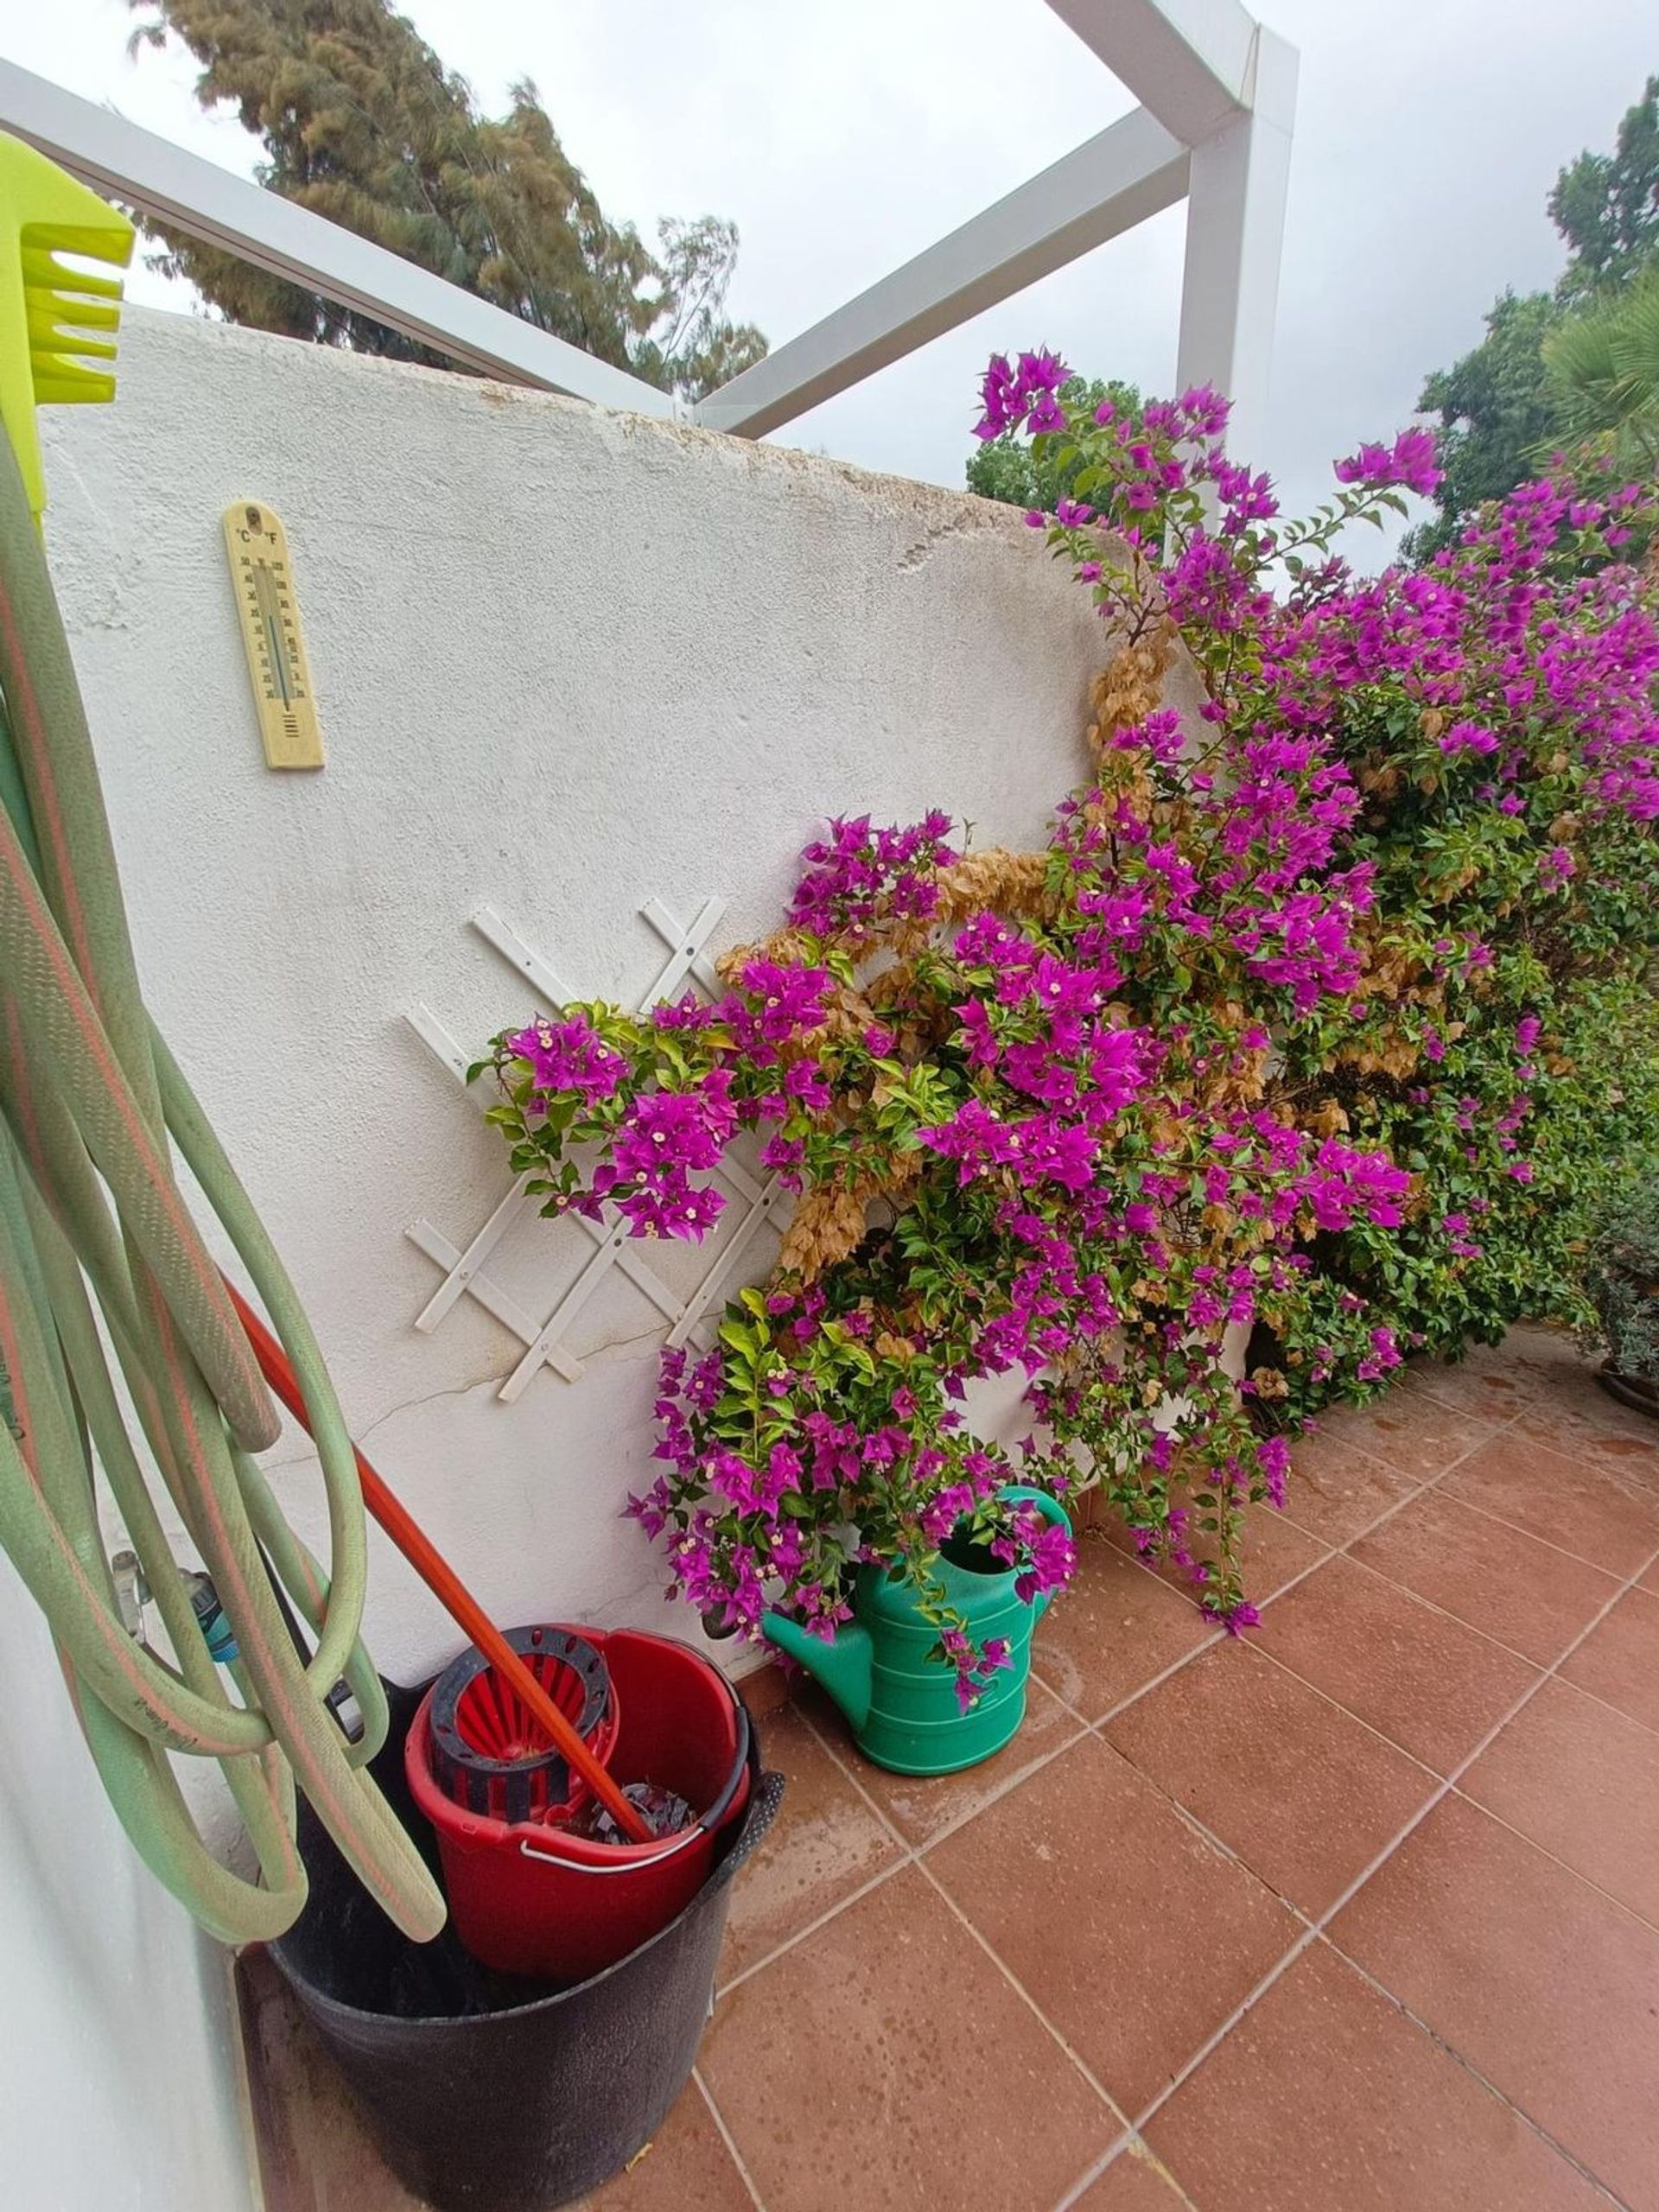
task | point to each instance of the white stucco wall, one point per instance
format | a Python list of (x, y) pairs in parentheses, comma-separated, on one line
[(566, 663)]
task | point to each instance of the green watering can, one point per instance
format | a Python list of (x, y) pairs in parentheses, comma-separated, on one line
[(900, 1702)]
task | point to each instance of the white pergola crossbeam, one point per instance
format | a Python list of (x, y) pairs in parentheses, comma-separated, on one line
[(1134, 169), (1217, 96), (167, 184), (1189, 61)]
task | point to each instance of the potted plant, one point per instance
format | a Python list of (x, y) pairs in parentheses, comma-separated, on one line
[(1622, 1281)]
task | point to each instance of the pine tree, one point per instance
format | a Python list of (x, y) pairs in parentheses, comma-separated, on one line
[(362, 123)]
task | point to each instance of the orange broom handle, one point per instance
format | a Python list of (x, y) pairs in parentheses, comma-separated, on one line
[(446, 1585)]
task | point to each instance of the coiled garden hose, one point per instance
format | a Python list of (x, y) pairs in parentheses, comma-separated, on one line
[(97, 1248)]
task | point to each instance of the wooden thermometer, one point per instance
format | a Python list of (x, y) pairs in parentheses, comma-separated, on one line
[(269, 616)]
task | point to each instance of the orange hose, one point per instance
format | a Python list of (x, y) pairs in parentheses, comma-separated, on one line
[(446, 1585)]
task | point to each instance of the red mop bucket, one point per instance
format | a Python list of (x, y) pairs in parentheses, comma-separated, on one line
[(529, 1898)]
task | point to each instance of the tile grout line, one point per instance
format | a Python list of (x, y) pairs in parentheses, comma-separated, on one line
[(1259, 1651), (1344, 1547), (1542, 1666), (849, 1770), (1544, 1851), (852, 1897), (1499, 1521), (1157, 1681), (1026, 1997), (1427, 1388), (908, 1852), (1592, 1697), (1314, 1929), (1451, 1777), (953, 1826), (1440, 1612), (1124, 2148), (1474, 2071), (727, 2137), (1495, 1429), (1447, 1785), (1531, 1535), (914, 1857)]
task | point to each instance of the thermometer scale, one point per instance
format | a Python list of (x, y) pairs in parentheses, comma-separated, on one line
[(277, 667)]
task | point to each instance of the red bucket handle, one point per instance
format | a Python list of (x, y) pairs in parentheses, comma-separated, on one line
[(707, 1825)]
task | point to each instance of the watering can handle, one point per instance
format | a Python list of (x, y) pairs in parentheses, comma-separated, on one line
[(1052, 1509)]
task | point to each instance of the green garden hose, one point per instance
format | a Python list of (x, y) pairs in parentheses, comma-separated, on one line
[(97, 1248)]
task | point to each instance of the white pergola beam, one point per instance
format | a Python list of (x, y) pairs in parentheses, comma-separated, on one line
[(1219, 96), (1188, 61), (166, 183), (1134, 169), (1235, 234)]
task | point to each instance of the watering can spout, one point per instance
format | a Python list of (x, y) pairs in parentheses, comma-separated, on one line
[(845, 1667)]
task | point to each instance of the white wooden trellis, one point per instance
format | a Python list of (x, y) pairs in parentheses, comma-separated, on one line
[(753, 1200)]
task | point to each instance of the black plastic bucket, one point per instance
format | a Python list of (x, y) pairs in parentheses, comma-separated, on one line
[(480, 2089)]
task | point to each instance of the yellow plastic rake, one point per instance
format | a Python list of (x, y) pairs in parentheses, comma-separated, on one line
[(57, 322)]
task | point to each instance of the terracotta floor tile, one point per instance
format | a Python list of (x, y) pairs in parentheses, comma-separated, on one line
[(1112, 1631), (1487, 1390), (1589, 1436), (1618, 1661), (1583, 1782), (885, 2063), (1536, 1349), (826, 1844), (1651, 1580), (1414, 1435), (1542, 1362), (687, 2169), (1501, 1581), (1134, 2181), (1577, 1415), (1327, 2098), (1336, 1490), (1274, 1552), (1426, 1682), (765, 1691), (1134, 1935), (1305, 1795), (1538, 1980), (921, 1805), (1600, 1511)]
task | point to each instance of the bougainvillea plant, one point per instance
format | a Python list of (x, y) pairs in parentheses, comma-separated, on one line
[(1314, 1036)]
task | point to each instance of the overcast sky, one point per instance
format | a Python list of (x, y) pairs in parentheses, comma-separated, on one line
[(843, 139)]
